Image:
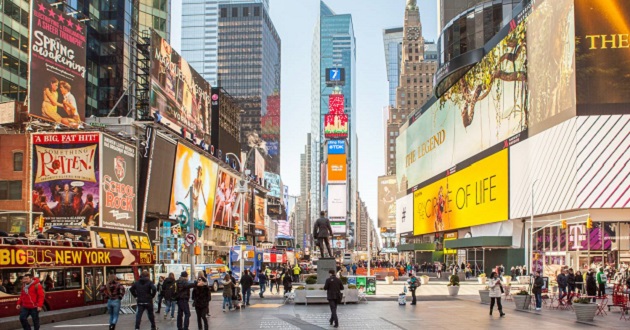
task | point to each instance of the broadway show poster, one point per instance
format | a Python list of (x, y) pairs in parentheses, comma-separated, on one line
[(180, 97), (66, 179), (194, 177), (225, 200), (259, 212), (119, 184), (58, 64)]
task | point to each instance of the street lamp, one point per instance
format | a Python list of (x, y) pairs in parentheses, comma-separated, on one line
[(531, 231)]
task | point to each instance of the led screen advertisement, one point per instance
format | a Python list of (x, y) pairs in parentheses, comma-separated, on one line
[(272, 181), (484, 108), (338, 227), (387, 201), (118, 188), (337, 168), (336, 126), (602, 53), (404, 215), (162, 153), (259, 212), (57, 65), (180, 97), (194, 177), (270, 123), (337, 201), (338, 243), (336, 147), (225, 200), (475, 195), (66, 177)]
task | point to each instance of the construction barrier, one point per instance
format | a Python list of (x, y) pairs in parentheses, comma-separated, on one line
[(128, 302)]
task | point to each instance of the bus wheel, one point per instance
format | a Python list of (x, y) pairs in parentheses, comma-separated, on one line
[(215, 286)]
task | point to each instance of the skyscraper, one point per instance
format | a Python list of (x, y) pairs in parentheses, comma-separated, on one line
[(156, 14), (14, 50), (415, 85), (392, 42), (333, 47), (303, 215)]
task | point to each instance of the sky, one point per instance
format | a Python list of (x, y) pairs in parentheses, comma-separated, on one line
[(295, 22)]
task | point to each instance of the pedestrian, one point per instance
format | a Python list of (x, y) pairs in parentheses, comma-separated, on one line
[(571, 285), (246, 286), (262, 282), (562, 286), (287, 283), (591, 284), (601, 281), (495, 292), (354, 269), (227, 292), (296, 273), (537, 290), (144, 291), (183, 287), (31, 301), (333, 287), (169, 293), (201, 299), (160, 297), (579, 282), (114, 291), (413, 285), (272, 280)]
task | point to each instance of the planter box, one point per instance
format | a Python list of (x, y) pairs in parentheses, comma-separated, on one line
[(482, 280), (424, 280), (300, 296), (350, 296), (453, 290), (585, 312), (485, 296), (507, 279), (522, 303)]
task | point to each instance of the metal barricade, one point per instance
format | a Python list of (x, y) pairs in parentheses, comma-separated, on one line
[(128, 302)]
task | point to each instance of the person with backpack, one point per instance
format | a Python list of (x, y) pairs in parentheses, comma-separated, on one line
[(182, 287), (287, 282), (228, 287), (159, 293), (144, 291), (246, 286), (413, 285), (114, 291), (169, 293), (601, 281), (201, 299), (31, 301)]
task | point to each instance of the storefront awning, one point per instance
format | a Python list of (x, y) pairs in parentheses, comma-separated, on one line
[(480, 242), (416, 247)]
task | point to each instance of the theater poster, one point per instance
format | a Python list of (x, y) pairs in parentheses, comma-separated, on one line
[(66, 178), (58, 65), (119, 184)]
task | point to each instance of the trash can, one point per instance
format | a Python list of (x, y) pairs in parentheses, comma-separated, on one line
[(389, 280)]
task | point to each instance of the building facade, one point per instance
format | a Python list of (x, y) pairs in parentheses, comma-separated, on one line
[(303, 222), (14, 48), (155, 14)]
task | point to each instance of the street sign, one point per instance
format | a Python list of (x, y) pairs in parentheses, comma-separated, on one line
[(190, 239), (241, 240)]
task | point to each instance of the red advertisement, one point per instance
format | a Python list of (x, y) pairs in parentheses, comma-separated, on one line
[(336, 126), (336, 104), (32, 256)]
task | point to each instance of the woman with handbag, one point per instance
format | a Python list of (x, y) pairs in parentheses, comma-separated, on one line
[(496, 290), (201, 299)]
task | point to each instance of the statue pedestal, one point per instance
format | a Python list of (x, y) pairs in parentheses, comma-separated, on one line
[(323, 266)]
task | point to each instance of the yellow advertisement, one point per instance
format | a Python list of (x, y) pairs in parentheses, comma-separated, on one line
[(475, 195)]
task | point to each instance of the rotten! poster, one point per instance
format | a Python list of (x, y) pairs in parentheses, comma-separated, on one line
[(65, 180)]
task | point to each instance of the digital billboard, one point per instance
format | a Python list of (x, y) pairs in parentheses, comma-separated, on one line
[(118, 189), (387, 201), (225, 200), (335, 76), (180, 97), (404, 215), (58, 62), (66, 178), (336, 147), (337, 201), (338, 227), (336, 126), (162, 160), (475, 195), (272, 182), (338, 243), (336, 104), (602, 56), (259, 212), (270, 126), (194, 178), (337, 168), (484, 108)]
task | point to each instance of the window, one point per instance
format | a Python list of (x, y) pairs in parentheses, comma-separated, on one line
[(17, 161), (234, 12), (256, 11), (245, 11), (11, 190), (223, 12)]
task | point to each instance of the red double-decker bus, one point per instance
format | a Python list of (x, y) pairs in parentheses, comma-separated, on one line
[(71, 264)]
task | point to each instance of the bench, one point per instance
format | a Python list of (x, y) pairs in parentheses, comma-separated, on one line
[(316, 294)]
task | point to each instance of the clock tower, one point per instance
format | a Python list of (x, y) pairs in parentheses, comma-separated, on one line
[(415, 84)]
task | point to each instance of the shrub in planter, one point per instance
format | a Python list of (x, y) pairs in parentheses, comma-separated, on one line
[(310, 289), (453, 280), (352, 286), (344, 280), (311, 279), (522, 300), (522, 293), (301, 287)]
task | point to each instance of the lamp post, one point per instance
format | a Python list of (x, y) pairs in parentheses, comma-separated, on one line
[(531, 233)]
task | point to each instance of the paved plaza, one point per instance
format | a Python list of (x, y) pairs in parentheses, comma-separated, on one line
[(435, 310)]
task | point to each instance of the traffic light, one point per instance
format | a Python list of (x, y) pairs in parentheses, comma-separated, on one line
[(564, 224), (589, 223), (236, 228)]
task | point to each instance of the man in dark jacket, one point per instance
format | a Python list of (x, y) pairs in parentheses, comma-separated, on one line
[(201, 300), (562, 286), (262, 281), (183, 296), (537, 290), (571, 284), (321, 232), (246, 286), (144, 291), (333, 289)]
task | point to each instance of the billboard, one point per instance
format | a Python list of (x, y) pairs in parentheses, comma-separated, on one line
[(259, 212), (119, 184), (484, 108), (272, 181), (259, 167), (194, 177), (336, 126), (336, 104), (338, 227), (66, 178), (387, 201), (180, 97), (162, 153), (475, 195), (404, 215), (336, 147), (270, 126), (337, 201), (602, 57), (338, 243), (335, 76), (225, 200), (337, 170), (58, 62)]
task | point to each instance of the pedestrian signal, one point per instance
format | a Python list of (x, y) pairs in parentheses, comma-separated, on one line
[(589, 223), (564, 224)]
